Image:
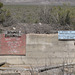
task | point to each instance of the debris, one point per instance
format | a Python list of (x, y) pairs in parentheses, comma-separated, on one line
[(1, 64)]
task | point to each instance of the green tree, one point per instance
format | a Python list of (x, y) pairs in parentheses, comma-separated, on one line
[(67, 20), (8, 14), (1, 5), (5, 16)]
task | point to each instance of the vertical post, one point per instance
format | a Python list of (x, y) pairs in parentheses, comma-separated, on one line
[(33, 73), (63, 68)]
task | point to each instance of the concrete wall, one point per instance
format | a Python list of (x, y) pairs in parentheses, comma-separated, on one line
[(43, 49)]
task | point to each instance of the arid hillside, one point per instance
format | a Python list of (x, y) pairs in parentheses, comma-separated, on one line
[(39, 19), (54, 2)]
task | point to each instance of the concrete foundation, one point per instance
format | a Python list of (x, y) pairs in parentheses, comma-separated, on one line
[(43, 49)]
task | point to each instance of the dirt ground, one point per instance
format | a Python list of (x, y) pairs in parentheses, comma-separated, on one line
[(58, 71), (36, 28)]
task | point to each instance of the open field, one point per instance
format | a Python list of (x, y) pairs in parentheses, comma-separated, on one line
[(42, 13), (40, 18), (32, 13), (38, 2)]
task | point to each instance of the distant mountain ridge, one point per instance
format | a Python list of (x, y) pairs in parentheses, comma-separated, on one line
[(38, 1)]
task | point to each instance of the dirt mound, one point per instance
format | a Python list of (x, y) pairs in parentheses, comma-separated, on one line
[(37, 28)]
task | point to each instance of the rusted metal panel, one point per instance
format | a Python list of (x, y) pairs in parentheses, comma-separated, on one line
[(12, 45)]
